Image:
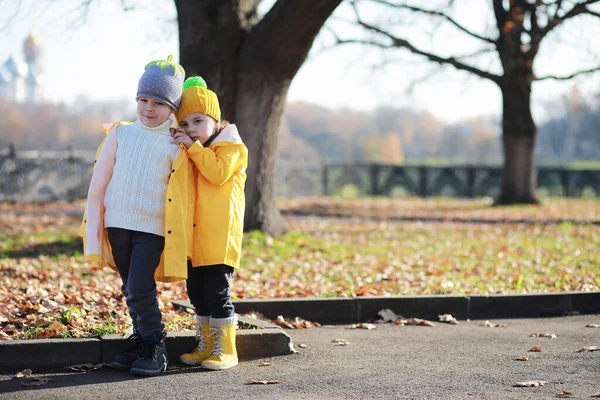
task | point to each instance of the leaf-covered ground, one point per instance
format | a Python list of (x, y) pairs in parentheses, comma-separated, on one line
[(47, 291)]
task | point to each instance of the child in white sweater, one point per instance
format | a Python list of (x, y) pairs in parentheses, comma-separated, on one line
[(127, 202)]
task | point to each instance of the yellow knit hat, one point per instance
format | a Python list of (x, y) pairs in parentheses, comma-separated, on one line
[(197, 98)]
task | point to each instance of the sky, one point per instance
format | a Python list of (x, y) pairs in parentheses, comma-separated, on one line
[(101, 55)]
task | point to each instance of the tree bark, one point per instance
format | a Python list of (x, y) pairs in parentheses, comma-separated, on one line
[(518, 138), (250, 65)]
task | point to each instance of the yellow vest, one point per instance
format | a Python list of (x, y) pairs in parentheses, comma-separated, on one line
[(179, 221), (220, 203)]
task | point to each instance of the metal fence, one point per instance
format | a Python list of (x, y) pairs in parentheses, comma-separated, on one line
[(65, 175)]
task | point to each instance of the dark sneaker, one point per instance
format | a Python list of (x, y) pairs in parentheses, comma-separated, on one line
[(152, 356), (124, 361)]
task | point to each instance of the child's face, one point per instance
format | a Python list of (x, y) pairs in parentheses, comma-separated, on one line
[(198, 126), (152, 112)]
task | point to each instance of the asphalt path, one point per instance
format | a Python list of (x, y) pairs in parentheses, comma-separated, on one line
[(465, 361)]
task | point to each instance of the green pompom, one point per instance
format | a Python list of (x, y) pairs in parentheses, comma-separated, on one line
[(194, 81)]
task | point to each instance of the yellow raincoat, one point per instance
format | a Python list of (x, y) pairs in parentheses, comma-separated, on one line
[(220, 199)]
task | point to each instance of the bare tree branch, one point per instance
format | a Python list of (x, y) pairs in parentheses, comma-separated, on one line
[(284, 38), (402, 43), (500, 13), (567, 77), (436, 13), (12, 17), (577, 9)]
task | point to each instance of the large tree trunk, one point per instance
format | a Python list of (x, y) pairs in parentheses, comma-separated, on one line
[(518, 137), (518, 128), (250, 64)]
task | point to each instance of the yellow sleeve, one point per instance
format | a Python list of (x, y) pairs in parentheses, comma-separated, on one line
[(217, 165)]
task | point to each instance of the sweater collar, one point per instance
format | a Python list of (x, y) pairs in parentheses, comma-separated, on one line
[(162, 129)]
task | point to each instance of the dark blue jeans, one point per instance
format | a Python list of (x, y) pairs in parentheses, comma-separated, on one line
[(137, 255), (208, 290)]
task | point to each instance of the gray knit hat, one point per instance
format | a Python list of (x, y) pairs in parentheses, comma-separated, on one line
[(163, 80)]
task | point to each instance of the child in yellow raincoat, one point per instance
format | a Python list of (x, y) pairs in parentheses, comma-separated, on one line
[(221, 158), (139, 211)]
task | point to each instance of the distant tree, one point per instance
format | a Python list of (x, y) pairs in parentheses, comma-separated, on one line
[(520, 27)]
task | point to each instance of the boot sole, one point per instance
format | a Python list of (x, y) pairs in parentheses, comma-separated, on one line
[(191, 363), (149, 372), (213, 367)]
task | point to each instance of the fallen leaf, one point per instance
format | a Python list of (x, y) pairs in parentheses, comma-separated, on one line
[(521, 358), (564, 394), (592, 326), (362, 326), (535, 349), (388, 315), (23, 374), (419, 321), (489, 324), (85, 367), (448, 318), (548, 335), (36, 381), (588, 348), (269, 382), (302, 345), (340, 342), (530, 383), (264, 364)]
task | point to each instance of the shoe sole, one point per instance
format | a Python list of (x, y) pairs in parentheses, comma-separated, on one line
[(148, 372), (213, 367), (120, 367)]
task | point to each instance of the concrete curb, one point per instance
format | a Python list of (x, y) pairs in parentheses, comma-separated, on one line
[(360, 309), (268, 340), (260, 339)]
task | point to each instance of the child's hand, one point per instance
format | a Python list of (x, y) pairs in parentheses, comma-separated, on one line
[(181, 137)]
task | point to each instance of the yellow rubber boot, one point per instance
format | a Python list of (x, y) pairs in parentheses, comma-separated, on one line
[(205, 343), (224, 354)]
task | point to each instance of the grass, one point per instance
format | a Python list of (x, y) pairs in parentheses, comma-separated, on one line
[(47, 290)]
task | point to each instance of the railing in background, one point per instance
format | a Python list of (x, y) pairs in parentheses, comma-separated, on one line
[(65, 175)]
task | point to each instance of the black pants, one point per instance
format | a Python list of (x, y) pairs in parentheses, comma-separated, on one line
[(137, 255), (208, 290)]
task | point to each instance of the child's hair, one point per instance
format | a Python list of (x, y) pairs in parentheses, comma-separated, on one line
[(219, 126), (162, 80)]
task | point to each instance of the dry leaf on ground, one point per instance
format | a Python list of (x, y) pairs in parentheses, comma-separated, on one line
[(521, 358), (86, 367), (530, 383), (548, 335), (296, 323), (489, 324), (388, 315), (535, 349), (266, 382), (23, 374), (588, 348), (448, 318), (592, 326), (362, 326), (419, 321), (264, 364), (564, 394), (340, 342), (36, 382)]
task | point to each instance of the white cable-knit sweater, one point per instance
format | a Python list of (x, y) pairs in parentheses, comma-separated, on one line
[(135, 196)]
